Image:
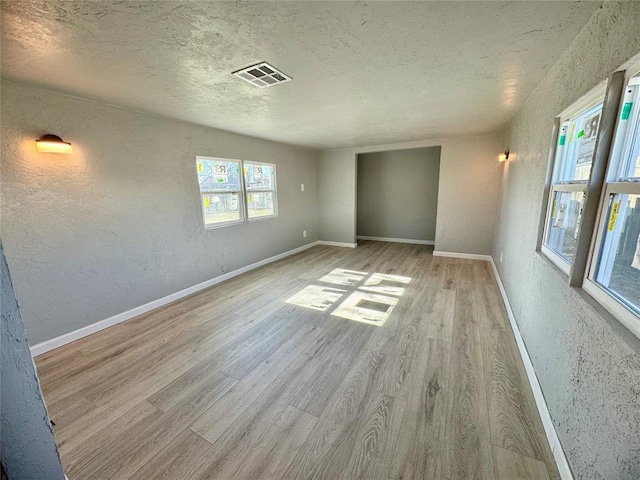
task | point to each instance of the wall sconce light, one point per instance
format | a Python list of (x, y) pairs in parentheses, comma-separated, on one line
[(504, 156), (53, 144)]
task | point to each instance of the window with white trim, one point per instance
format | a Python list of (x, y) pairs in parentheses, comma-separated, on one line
[(260, 186), (234, 192), (572, 167), (613, 277)]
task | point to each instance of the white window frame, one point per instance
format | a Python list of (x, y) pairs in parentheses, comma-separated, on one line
[(248, 192), (243, 193), (560, 167), (240, 192), (558, 260), (618, 181)]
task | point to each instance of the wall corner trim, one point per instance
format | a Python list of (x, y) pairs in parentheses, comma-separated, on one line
[(69, 337), (541, 403), (396, 240), (471, 256), (337, 244)]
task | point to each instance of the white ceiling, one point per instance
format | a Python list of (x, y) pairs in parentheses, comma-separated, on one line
[(363, 73)]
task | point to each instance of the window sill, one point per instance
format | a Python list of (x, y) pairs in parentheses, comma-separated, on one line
[(259, 219), (555, 263), (222, 225)]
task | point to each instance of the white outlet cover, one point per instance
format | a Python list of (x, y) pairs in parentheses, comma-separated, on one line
[(302, 187)]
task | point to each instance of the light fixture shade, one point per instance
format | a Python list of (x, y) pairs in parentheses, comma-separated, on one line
[(504, 156), (53, 144)]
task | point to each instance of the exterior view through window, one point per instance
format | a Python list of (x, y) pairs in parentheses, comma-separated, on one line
[(260, 184), (603, 259), (572, 167), (616, 266), (233, 193)]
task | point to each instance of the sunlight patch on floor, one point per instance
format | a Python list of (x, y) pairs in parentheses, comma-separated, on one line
[(372, 302), (316, 297)]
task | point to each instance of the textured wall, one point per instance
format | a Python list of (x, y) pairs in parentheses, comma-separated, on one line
[(589, 370), (467, 191), (29, 450), (398, 193), (119, 223)]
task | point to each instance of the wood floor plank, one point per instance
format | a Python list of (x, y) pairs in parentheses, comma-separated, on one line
[(98, 456), (184, 458), (513, 466), (212, 424), (375, 442), (241, 438), (421, 448), (273, 454), (314, 396), (233, 382), (68, 411), (330, 444), (127, 449), (191, 388), (510, 409), (71, 437), (441, 318), (469, 452), (293, 323)]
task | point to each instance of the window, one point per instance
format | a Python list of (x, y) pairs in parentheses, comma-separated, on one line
[(614, 275), (221, 191), (574, 154), (233, 193), (260, 185)]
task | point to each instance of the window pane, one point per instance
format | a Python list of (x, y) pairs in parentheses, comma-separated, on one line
[(260, 204), (259, 176), (578, 145), (218, 175), (221, 207), (562, 231), (619, 267)]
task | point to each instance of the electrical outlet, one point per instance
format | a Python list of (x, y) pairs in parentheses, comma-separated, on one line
[(304, 234), (501, 255), (302, 187)]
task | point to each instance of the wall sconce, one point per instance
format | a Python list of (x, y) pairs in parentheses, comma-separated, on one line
[(53, 144), (504, 156)]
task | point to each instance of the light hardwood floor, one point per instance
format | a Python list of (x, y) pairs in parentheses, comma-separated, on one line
[(236, 383)]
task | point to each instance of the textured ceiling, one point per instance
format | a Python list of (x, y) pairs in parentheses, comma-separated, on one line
[(364, 73)]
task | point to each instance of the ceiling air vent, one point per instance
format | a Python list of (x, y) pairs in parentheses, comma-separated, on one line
[(262, 75)]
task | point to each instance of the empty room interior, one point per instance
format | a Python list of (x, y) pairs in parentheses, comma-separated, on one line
[(320, 240)]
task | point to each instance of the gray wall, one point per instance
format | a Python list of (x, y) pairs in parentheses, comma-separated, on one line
[(398, 193), (467, 191), (29, 450), (118, 223), (589, 369)]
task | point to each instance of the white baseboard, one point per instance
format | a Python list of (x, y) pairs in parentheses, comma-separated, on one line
[(337, 244), (396, 240), (543, 409), (66, 338), (471, 256)]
